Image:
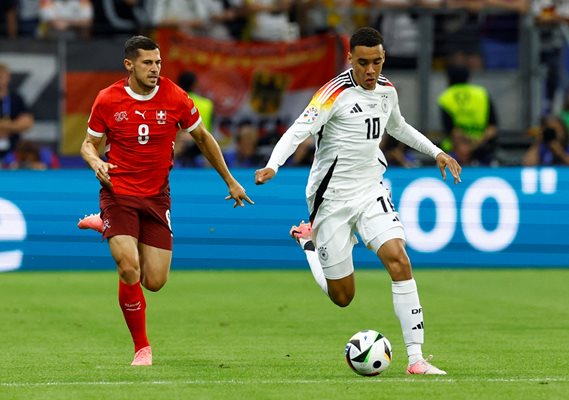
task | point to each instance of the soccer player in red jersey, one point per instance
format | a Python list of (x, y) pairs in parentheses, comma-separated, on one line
[(140, 117)]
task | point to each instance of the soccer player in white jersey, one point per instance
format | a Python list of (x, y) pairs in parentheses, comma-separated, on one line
[(348, 116)]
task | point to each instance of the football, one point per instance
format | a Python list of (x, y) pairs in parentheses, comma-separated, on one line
[(368, 353)]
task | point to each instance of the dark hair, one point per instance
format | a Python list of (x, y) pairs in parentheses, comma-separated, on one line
[(366, 36), (457, 74), (187, 80), (135, 43)]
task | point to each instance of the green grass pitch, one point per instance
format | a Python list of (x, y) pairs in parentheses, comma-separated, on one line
[(500, 334)]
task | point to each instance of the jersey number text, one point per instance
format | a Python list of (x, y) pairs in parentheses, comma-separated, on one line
[(143, 133), (373, 128)]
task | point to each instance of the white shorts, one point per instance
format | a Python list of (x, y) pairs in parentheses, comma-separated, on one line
[(372, 216)]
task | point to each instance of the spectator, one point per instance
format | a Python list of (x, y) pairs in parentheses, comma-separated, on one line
[(246, 147), (30, 155), (549, 17), (9, 18), (188, 81), (234, 17), (189, 16), (304, 154), (500, 33), (550, 145), (400, 30), (15, 116), (396, 153), (67, 19), (126, 17), (270, 22), (29, 18), (564, 114), (312, 17), (187, 152), (226, 19), (462, 34), (469, 119)]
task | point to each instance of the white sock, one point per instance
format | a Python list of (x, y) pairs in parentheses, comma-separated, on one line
[(314, 263), (410, 314)]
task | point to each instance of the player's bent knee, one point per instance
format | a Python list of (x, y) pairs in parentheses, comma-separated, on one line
[(341, 300), (129, 273), (153, 285), (342, 290)]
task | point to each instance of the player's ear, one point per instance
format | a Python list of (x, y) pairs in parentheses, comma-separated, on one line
[(349, 57), (127, 64)]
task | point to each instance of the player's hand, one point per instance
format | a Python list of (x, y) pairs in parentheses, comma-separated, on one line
[(237, 193), (445, 161), (102, 172), (263, 175)]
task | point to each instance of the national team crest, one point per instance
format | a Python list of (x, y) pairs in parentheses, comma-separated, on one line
[(120, 116), (384, 105), (323, 253), (161, 117)]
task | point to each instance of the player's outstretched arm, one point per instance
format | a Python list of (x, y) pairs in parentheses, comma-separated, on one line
[(211, 151), (445, 161), (90, 153), (264, 175)]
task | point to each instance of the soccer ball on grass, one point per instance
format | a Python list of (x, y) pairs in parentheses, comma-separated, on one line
[(368, 353)]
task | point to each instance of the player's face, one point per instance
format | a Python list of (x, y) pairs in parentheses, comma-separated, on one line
[(144, 70), (367, 63)]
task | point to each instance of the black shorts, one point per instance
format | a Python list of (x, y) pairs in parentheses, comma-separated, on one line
[(145, 218)]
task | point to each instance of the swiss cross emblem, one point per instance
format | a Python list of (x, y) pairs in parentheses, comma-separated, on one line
[(161, 116)]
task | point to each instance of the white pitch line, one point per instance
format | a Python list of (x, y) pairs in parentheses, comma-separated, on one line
[(282, 381)]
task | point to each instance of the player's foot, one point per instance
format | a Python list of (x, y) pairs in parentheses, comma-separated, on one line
[(302, 231), (424, 367), (92, 221), (143, 356)]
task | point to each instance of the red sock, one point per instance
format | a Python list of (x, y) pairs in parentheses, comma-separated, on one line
[(133, 305)]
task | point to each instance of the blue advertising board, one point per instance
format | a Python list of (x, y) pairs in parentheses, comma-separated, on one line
[(497, 217)]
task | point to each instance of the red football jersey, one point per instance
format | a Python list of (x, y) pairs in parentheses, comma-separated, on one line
[(141, 132)]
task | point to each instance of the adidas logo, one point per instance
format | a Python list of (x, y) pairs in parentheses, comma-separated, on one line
[(356, 109), (419, 326)]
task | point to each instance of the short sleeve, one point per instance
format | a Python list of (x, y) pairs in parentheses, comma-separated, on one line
[(190, 116), (96, 123)]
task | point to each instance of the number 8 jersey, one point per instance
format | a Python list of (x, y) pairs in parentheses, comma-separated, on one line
[(348, 123), (140, 133)]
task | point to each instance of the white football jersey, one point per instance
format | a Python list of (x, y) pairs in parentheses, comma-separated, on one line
[(348, 123)]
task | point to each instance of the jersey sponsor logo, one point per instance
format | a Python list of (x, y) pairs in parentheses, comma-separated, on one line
[(310, 114), (121, 116), (161, 117), (141, 113), (356, 109)]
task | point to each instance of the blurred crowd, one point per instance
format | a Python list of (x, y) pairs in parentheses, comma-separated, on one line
[(469, 36), (277, 20)]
